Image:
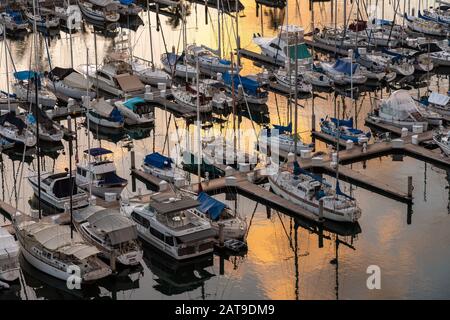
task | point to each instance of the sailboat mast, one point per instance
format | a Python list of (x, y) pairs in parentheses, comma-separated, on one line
[(295, 95), (36, 82), (219, 36), (233, 98), (199, 157), (7, 68), (87, 105), (150, 35), (70, 37)]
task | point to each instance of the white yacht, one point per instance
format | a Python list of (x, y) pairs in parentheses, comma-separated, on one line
[(284, 45), (111, 232), (208, 62), (136, 111), (104, 114), (425, 27), (99, 175), (150, 75), (288, 81), (114, 76), (56, 189), (168, 223), (9, 256), (234, 227), (306, 190), (175, 66), (439, 103), (100, 10), (50, 248)]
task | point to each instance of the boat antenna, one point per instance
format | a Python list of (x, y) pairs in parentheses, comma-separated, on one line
[(150, 34), (69, 126), (87, 106), (199, 157), (7, 69), (295, 95)]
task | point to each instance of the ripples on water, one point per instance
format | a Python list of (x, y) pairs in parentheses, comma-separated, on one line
[(414, 258)]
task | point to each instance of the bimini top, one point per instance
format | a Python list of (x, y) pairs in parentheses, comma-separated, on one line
[(249, 85), (345, 66), (95, 152), (126, 2), (26, 75), (210, 206), (158, 160)]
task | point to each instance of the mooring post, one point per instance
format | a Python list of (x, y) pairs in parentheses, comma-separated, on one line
[(221, 235), (321, 211), (313, 122), (268, 212), (133, 159), (320, 236), (113, 262), (410, 187)]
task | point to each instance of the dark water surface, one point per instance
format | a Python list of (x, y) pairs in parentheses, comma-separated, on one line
[(283, 262)]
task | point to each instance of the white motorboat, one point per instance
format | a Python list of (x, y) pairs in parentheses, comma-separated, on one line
[(99, 175), (25, 89), (439, 103), (316, 78), (100, 10), (50, 248), (14, 129), (426, 27), (208, 62), (175, 66), (114, 235), (290, 39), (442, 139), (162, 167), (104, 114), (306, 190), (9, 257), (69, 83), (136, 111), (56, 189), (168, 223), (187, 96), (234, 227), (148, 75), (114, 76)]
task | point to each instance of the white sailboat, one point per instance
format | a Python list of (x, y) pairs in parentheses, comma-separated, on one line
[(69, 83), (25, 89), (99, 10)]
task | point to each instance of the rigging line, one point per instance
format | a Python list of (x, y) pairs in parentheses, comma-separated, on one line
[(251, 220), (284, 228)]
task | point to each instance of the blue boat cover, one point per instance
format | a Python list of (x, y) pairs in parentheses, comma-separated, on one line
[(250, 86), (116, 115), (26, 75), (31, 119), (15, 15), (131, 103), (158, 160), (382, 22), (95, 152), (210, 206), (225, 62), (345, 123), (345, 67), (112, 178), (282, 129), (126, 2)]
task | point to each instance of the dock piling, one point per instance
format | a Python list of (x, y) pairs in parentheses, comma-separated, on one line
[(321, 211), (133, 159), (221, 235), (410, 187)]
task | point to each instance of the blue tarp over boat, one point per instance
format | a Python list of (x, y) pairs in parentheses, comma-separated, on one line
[(26, 75), (126, 2), (345, 66), (95, 152), (133, 102), (341, 122), (250, 86), (210, 206), (158, 160), (16, 16), (111, 178)]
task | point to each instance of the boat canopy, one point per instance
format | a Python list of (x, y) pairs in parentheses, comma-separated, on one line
[(62, 187), (249, 85), (95, 152), (345, 123), (134, 103), (400, 104), (158, 160), (26, 75), (11, 118), (210, 206), (60, 73), (345, 66), (438, 99), (302, 51), (126, 2), (109, 222), (54, 237), (112, 178), (16, 16), (282, 129)]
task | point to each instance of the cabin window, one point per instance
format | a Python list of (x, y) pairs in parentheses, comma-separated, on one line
[(141, 220), (102, 74), (273, 45), (169, 240), (157, 234)]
